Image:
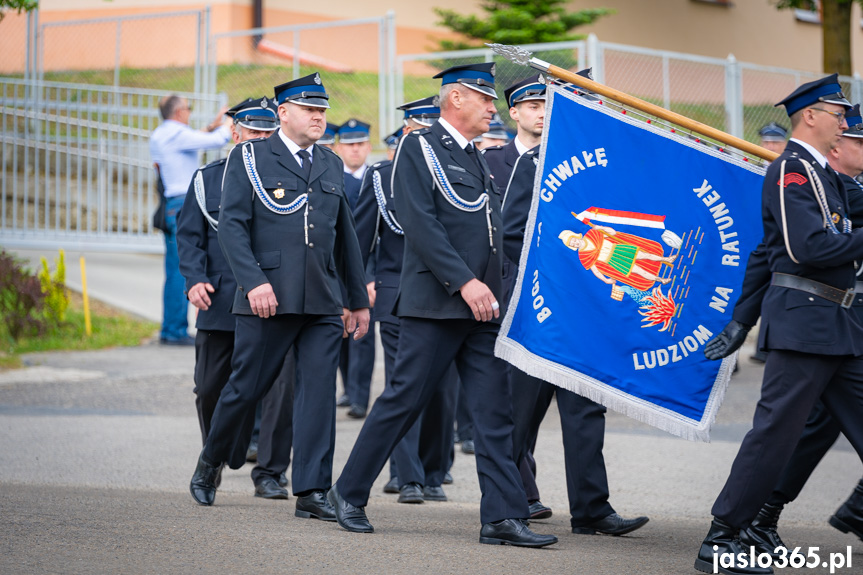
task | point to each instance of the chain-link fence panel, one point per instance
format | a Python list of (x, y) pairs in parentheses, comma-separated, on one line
[(689, 85), (76, 163), (351, 57), (763, 86), (110, 51), (14, 38)]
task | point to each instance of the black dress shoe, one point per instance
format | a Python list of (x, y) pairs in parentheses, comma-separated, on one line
[(447, 478), (252, 452), (269, 488), (513, 532), (349, 516), (614, 524), (357, 411), (343, 401), (283, 479), (434, 493), (539, 511), (392, 485), (467, 446), (849, 517), (315, 506), (411, 493), (725, 539), (203, 484)]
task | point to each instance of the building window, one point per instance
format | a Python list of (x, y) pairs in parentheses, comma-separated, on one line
[(810, 16)]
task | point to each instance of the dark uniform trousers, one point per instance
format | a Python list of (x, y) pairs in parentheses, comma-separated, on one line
[(445, 247), (582, 424), (213, 351), (202, 260), (422, 456), (582, 420), (262, 345), (815, 346), (819, 435), (356, 364), (303, 255), (425, 351)]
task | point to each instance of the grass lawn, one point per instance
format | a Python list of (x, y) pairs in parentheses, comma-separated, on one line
[(111, 328)]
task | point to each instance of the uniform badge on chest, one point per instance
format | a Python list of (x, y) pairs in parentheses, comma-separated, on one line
[(836, 218), (279, 194)]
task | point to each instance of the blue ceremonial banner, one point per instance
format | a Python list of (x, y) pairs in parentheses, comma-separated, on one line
[(634, 255)]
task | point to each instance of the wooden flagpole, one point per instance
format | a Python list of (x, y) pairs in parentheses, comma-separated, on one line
[(525, 58)]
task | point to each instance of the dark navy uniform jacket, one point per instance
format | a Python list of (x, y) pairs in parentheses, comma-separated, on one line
[(516, 203), (501, 160), (201, 258), (792, 319), (378, 239), (352, 189), (445, 247), (266, 247), (757, 279)]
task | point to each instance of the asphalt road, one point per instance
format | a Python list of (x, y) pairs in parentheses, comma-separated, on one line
[(98, 448)]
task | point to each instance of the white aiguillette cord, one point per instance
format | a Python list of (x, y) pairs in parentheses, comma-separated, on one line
[(446, 189), (255, 179)]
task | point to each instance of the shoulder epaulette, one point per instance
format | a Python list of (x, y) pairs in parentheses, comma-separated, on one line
[(219, 162)]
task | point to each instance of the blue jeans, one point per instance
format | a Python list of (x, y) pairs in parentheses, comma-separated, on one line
[(174, 304)]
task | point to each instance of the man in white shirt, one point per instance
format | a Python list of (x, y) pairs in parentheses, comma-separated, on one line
[(174, 149)]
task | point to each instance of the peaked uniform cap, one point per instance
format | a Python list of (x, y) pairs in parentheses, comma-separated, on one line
[(425, 111), (532, 88), (479, 77), (855, 123), (307, 91), (255, 114), (392, 141), (773, 132), (353, 132), (329, 136), (826, 90), (496, 129)]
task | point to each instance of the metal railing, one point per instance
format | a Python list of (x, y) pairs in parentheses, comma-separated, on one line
[(247, 63), (729, 95), (76, 167)]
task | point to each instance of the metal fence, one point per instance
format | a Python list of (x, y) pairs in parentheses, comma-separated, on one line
[(248, 63), (75, 164), (729, 95), (111, 50), (75, 159)]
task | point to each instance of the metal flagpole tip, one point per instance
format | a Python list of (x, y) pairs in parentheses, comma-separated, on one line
[(519, 56)]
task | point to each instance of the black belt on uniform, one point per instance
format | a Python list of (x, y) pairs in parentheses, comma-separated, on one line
[(843, 297)]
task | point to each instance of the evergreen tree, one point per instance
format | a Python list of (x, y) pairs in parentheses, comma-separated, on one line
[(517, 22)]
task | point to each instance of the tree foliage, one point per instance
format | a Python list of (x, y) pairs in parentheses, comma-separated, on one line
[(835, 30), (517, 22), (19, 5)]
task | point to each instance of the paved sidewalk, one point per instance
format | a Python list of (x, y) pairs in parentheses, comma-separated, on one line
[(98, 448)]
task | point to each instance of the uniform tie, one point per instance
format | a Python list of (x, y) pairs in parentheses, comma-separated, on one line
[(307, 164), (474, 155)]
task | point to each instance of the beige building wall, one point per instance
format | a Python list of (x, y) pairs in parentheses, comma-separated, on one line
[(753, 30)]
